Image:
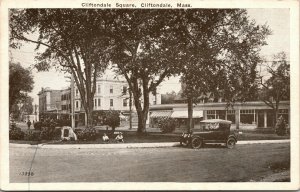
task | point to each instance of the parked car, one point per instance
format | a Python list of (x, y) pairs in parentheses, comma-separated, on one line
[(212, 131)]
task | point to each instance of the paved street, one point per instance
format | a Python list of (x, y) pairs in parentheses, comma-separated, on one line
[(245, 163)]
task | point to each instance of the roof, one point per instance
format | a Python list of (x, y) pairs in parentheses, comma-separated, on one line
[(216, 121), (161, 114), (184, 114)]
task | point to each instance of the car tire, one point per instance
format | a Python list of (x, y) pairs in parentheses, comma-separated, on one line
[(230, 143), (197, 143)]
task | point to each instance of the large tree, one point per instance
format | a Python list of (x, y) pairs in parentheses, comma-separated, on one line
[(20, 84), (145, 51), (72, 40), (275, 84), (220, 51)]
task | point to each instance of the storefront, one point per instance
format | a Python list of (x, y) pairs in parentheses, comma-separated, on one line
[(248, 115)]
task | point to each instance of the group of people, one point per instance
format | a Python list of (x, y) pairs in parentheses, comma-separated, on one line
[(119, 138)]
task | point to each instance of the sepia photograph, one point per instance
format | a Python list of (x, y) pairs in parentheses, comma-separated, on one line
[(150, 95)]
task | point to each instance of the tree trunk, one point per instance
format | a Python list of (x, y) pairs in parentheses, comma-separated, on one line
[(275, 111), (113, 130), (89, 114), (190, 115), (142, 118)]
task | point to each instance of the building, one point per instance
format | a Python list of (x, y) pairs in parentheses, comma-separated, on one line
[(247, 115), (111, 94), (49, 103), (65, 103)]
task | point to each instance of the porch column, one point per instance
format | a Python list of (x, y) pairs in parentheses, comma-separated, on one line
[(237, 118), (289, 117), (265, 119), (225, 115), (204, 114), (256, 119)]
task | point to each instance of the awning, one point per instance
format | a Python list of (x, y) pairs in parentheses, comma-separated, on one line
[(160, 114), (184, 114)]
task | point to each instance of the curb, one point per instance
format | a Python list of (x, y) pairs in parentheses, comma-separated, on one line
[(262, 142), (128, 145)]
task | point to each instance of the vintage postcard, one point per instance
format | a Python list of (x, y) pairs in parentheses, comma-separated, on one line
[(147, 95)]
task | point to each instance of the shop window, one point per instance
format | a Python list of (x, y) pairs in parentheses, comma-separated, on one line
[(230, 112)]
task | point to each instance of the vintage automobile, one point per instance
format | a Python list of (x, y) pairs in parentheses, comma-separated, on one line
[(211, 131)]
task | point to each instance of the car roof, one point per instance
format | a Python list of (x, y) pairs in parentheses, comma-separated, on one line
[(216, 121)]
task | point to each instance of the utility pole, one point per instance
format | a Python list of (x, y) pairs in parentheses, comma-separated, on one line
[(72, 102), (130, 109)]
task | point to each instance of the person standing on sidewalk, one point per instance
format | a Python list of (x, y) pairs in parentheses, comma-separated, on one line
[(28, 124)]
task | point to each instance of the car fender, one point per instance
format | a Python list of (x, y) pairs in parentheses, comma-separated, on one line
[(232, 136), (197, 136)]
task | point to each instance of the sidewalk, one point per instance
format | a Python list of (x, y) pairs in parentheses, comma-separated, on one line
[(127, 145)]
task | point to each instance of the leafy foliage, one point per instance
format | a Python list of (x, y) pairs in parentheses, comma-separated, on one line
[(280, 127), (49, 133), (112, 119), (20, 83), (167, 125), (277, 87), (38, 125), (220, 52), (32, 136), (88, 134), (74, 43), (15, 133), (168, 98)]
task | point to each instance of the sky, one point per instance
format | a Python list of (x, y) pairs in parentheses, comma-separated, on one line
[(277, 19)]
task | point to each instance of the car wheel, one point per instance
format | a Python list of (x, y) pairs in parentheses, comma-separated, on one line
[(231, 143), (197, 143)]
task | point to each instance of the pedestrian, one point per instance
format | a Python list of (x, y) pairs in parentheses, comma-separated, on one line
[(105, 138), (28, 124), (119, 137)]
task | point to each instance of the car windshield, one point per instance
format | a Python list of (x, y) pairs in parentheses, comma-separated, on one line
[(210, 126)]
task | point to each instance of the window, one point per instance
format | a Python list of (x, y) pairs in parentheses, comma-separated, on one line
[(77, 104), (111, 90), (124, 102), (95, 102), (283, 111), (111, 102), (99, 102), (247, 116), (247, 111), (99, 88), (154, 102), (124, 90), (211, 112), (76, 92), (230, 112)]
